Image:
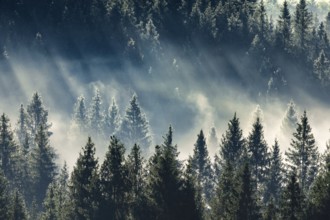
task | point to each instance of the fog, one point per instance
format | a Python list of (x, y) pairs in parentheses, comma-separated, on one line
[(171, 94)]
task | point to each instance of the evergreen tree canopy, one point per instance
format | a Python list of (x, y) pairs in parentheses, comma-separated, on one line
[(112, 119), (80, 116), (303, 154)]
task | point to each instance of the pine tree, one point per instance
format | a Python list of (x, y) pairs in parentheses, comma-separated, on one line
[(302, 156), (80, 117), (96, 114), (302, 26), (84, 191), (112, 119), (4, 197), (43, 167), (50, 211), (232, 144), (290, 119), (135, 127), (247, 204), (257, 148), (201, 166), (37, 116), (327, 23), (291, 206), (21, 130), (275, 176), (8, 148), (114, 182), (18, 208)]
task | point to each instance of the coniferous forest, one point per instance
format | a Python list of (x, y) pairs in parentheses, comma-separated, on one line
[(176, 54)]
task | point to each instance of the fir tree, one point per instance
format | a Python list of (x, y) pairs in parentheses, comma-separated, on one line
[(135, 127), (114, 182), (80, 117), (43, 167), (302, 156), (232, 144), (37, 116), (201, 166), (275, 176), (321, 69), (84, 191), (49, 204), (112, 119), (257, 148)]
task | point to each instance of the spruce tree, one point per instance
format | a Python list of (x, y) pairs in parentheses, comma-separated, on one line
[(96, 114), (114, 182), (302, 26), (232, 144), (165, 182), (290, 119), (80, 117), (50, 211), (284, 35), (201, 166), (274, 177), (135, 127), (247, 204), (303, 155), (291, 204), (4, 197), (321, 69), (18, 208), (257, 148), (84, 192), (43, 167), (8, 148), (225, 202), (37, 116), (112, 119), (212, 140), (21, 130)]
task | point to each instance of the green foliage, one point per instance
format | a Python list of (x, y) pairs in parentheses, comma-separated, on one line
[(4, 197), (84, 192), (18, 208)]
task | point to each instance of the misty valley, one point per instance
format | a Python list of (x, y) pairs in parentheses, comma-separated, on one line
[(164, 109)]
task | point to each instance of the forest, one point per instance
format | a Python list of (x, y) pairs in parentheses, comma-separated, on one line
[(159, 53)]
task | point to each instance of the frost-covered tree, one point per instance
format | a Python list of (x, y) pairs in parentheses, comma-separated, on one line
[(321, 69), (290, 119), (135, 126), (302, 156), (21, 130), (37, 116), (80, 117), (96, 114), (112, 120)]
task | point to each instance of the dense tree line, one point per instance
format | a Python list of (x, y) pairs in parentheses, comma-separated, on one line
[(246, 180), (291, 49)]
